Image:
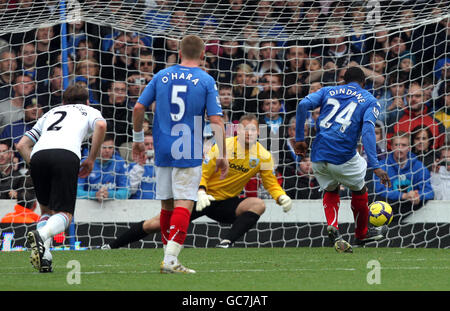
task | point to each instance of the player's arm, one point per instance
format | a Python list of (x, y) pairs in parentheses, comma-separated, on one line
[(215, 114), (218, 129), (271, 184), (144, 101), (24, 146), (208, 169), (97, 140), (370, 145), (310, 102)]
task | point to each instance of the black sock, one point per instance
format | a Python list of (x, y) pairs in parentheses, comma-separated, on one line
[(135, 233), (241, 225)]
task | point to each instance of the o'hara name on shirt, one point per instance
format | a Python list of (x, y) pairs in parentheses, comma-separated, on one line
[(179, 76), (349, 92)]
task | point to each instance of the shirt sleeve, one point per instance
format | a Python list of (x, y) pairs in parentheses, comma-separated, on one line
[(213, 106), (368, 134), (310, 102), (35, 133), (148, 95)]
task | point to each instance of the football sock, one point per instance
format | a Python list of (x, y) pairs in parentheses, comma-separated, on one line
[(57, 223), (135, 233), (241, 225), (47, 243), (179, 223), (164, 221), (360, 210), (331, 201)]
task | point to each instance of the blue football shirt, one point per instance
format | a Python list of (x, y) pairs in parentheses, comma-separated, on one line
[(182, 95), (346, 112)]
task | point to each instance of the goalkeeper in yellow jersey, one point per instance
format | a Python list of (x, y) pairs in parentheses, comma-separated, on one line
[(219, 198)]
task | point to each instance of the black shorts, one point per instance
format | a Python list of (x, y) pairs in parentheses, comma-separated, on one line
[(55, 178), (221, 211)]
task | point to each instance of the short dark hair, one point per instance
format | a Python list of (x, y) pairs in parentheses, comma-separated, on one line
[(7, 142), (75, 94), (354, 74)]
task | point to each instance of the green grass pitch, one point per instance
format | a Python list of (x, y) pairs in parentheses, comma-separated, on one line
[(236, 269)]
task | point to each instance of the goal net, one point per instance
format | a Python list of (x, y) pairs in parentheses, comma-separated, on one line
[(265, 56)]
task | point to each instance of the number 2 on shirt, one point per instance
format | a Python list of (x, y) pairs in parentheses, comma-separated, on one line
[(343, 118), (179, 101)]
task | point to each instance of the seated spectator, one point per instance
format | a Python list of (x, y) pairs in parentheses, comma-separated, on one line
[(375, 73), (32, 112), (416, 114), (11, 179), (393, 99), (407, 64), (11, 110), (232, 57), (422, 142), (245, 92), (136, 82), (336, 50), (25, 206), (145, 64), (52, 96), (108, 179), (8, 67), (304, 186), (142, 175), (116, 112), (27, 64), (90, 70), (440, 175), (288, 159), (295, 70), (443, 114), (272, 82), (226, 99), (272, 114), (269, 60), (411, 186), (86, 50), (397, 46), (46, 46)]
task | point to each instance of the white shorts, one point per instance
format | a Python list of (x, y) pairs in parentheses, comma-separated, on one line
[(350, 174), (178, 183)]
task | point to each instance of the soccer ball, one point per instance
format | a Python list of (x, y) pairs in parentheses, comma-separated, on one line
[(380, 213)]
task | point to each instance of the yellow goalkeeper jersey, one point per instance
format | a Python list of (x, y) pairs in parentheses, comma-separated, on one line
[(244, 164)]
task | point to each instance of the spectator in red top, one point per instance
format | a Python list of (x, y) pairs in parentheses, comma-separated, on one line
[(416, 114)]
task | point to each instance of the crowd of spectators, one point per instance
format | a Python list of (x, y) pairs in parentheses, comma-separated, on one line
[(407, 70)]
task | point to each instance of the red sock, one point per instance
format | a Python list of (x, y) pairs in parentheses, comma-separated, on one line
[(164, 221), (331, 202), (179, 223), (360, 213)]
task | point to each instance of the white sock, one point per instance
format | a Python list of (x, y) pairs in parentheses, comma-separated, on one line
[(171, 252), (55, 224), (47, 243)]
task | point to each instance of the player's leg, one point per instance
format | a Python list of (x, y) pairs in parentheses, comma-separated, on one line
[(136, 232), (41, 177), (64, 167), (247, 213), (352, 174), (184, 187)]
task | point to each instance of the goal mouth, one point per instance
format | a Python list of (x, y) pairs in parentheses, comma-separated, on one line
[(265, 56)]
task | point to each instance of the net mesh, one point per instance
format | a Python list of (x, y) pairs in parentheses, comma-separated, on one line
[(265, 57)]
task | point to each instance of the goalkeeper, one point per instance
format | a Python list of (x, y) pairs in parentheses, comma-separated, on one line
[(219, 198)]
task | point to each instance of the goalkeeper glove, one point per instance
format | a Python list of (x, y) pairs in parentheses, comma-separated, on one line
[(285, 202), (203, 200)]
